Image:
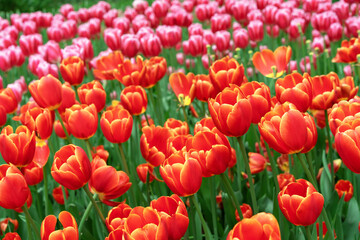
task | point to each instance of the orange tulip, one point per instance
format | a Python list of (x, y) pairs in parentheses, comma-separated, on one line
[(204, 88), (295, 89), (279, 126), (17, 147), (145, 169), (153, 144), (11, 236), (4, 224), (341, 111), (106, 65), (69, 97), (231, 111), (245, 210), (300, 203), (71, 167), (13, 187), (58, 195), (70, 231), (129, 73), (107, 182), (92, 92), (72, 70), (134, 99), (82, 120), (116, 125), (262, 226), (259, 97), (205, 124), (344, 187), (101, 152), (33, 173), (272, 64), (8, 100), (59, 130), (347, 89), (182, 174), (284, 179), (348, 51), (324, 91), (172, 209), (183, 87), (257, 162), (177, 143), (116, 216), (178, 127), (347, 143), (226, 71), (47, 92), (155, 70), (42, 153)]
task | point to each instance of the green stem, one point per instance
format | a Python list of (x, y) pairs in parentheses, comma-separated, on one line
[(30, 220), (273, 168), (88, 149), (310, 163), (88, 193), (307, 171), (253, 126), (329, 156), (328, 224), (308, 232), (213, 206), (46, 194), (248, 172), (65, 200), (86, 214), (76, 92), (203, 222), (63, 126), (147, 120), (152, 103), (185, 116), (230, 191)]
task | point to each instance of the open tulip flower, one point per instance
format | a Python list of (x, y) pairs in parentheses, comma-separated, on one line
[(70, 230), (183, 87), (106, 65), (272, 64)]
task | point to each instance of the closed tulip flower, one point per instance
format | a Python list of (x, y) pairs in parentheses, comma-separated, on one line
[(117, 216), (58, 195), (347, 89), (47, 92), (246, 211), (340, 111), (134, 99), (8, 100), (344, 187), (33, 173), (70, 231), (231, 111), (107, 182), (172, 209), (324, 91), (257, 162), (13, 187), (182, 174), (92, 92), (71, 167), (17, 147), (69, 97), (204, 88), (82, 120), (272, 64), (72, 70), (295, 89), (226, 71), (300, 203), (183, 87), (156, 68), (262, 226), (279, 126), (116, 124)]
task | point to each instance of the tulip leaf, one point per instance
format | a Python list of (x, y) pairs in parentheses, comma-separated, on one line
[(351, 223), (326, 187)]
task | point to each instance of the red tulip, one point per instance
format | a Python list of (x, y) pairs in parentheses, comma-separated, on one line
[(72, 70), (245, 210), (344, 187), (70, 230), (82, 120), (324, 91), (117, 216), (8, 100), (134, 99), (92, 92), (58, 195)]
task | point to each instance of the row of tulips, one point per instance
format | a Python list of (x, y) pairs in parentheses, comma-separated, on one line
[(233, 139)]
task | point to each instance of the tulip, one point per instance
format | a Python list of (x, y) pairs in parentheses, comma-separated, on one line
[(182, 174), (33, 173), (71, 167), (256, 31), (324, 91), (17, 147), (4, 224), (295, 89), (220, 22), (106, 65), (156, 68), (92, 93), (47, 92), (13, 187), (58, 195), (72, 70), (107, 182), (284, 179), (116, 124), (142, 223), (336, 163), (87, 47), (272, 64), (183, 87), (173, 211), (29, 43), (348, 51), (8, 100), (169, 36), (69, 97), (130, 45), (347, 89), (112, 38), (153, 144), (12, 236), (145, 173), (226, 71), (231, 116), (82, 120), (344, 188), (222, 40), (134, 99), (300, 203), (246, 211), (204, 89), (241, 38), (101, 152), (70, 230), (178, 127), (50, 52), (340, 111), (257, 162), (258, 227), (279, 126), (117, 216), (129, 73)]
